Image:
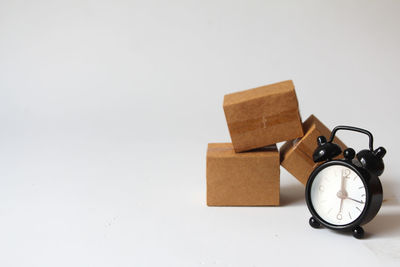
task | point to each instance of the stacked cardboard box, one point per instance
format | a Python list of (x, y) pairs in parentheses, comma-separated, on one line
[(246, 172)]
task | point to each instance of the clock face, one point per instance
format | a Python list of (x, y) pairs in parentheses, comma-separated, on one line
[(338, 195)]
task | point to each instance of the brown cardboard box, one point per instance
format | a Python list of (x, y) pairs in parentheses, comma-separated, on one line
[(242, 179), (296, 155), (263, 116)]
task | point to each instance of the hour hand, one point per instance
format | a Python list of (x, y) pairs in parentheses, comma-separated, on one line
[(358, 201)]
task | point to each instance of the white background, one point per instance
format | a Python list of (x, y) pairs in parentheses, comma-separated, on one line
[(106, 109)]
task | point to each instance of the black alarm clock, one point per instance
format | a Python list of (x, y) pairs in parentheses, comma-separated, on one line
[(343, 194)]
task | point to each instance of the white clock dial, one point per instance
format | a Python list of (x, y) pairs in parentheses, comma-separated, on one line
[(338, 195)]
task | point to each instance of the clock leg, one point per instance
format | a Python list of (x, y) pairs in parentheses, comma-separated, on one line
[(313, 222), (358, 232)]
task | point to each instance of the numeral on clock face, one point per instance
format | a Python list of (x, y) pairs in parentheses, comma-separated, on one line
[(345, 173)]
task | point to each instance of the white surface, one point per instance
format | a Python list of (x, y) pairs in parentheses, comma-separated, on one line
[(106, 109), (337, 197)]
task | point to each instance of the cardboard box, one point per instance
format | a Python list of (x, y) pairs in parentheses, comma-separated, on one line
[(296, 155), (263, 116), (242, 179)]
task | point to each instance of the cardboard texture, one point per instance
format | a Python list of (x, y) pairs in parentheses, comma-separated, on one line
[(242, 179), (296, 155), (263, 116)]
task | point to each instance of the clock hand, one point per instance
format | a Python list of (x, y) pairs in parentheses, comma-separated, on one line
[(359, 201), (340, 210), (342, 193), (342, 184)]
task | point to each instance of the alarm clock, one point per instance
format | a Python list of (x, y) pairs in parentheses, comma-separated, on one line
[(343, 194)]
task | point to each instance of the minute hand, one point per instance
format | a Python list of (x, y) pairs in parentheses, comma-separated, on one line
[(342, 183)]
